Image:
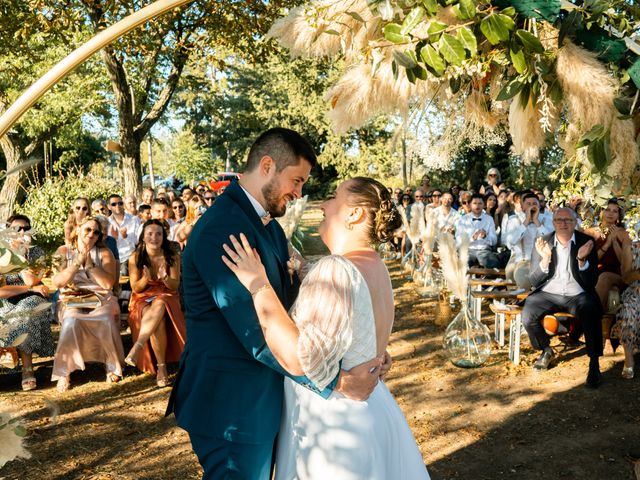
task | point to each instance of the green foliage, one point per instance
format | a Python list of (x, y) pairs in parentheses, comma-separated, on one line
[(48, 204), (238, 103), (191, 162)]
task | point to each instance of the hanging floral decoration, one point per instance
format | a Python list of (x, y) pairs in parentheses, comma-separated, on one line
[(543, 70)]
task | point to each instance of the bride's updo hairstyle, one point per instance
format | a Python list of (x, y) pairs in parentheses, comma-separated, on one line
[(382, 217)]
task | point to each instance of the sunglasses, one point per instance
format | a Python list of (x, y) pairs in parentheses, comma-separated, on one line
[(84, 209), (493, 175), (209, 199), (464, 202), (419, 196), (118, 204), (22, 228), (436, 195), (91, 230)]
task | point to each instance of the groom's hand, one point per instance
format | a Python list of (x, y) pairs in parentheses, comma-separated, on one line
[(386, 364), (359, 382)]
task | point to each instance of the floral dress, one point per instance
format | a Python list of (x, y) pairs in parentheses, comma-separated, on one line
[(627, 328), (26, 313)]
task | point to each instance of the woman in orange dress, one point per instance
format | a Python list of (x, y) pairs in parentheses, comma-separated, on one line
[(155, 317)]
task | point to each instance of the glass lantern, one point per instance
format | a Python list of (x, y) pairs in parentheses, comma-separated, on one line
[(467, 342)]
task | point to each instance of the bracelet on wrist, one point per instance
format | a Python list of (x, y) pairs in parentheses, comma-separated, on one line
[(264, 287)]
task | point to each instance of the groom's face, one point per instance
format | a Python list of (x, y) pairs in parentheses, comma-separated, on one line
[(285, 186)]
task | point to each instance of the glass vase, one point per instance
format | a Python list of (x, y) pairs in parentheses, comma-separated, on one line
[(467, 342)]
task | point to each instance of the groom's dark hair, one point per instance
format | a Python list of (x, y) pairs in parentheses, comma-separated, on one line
[(285, 146)]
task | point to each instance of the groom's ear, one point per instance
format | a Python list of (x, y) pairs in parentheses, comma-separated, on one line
[(266, 164)]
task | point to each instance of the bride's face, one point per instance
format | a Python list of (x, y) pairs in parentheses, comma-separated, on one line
[(336, 213)]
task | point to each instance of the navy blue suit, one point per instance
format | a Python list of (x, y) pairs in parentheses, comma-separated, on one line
[(229, 390)]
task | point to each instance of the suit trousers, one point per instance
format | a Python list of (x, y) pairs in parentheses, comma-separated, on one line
[(224, 460), (485, 258), (586, 307)]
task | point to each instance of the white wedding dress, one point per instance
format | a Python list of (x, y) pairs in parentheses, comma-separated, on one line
[(338, 438)]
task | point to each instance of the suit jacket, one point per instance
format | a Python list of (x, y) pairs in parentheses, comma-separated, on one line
[(587, 279), (229, 384)]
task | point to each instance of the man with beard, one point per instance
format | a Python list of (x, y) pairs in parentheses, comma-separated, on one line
[(228, 392)]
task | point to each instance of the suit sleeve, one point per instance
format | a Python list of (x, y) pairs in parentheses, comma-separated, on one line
[(235, 302)]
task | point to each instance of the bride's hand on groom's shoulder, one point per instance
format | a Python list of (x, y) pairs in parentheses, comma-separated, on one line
[(244, 262), (359, 382)]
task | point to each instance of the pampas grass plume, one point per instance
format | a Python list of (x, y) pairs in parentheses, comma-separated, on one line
[(525, 130), (454, 264)]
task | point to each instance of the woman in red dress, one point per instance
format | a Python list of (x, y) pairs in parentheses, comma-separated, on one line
[(155, 317)]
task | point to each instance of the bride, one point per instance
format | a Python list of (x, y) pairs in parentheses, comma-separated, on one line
[(343, 316)]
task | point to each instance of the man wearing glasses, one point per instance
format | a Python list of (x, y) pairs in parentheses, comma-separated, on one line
[(122, 227), (564, 273), (209, 197)]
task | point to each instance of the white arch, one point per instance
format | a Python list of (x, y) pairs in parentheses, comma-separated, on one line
[(78, 56)]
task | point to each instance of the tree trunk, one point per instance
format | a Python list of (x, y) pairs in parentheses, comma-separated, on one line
[(131, 167), (405, 181), (11, 187)]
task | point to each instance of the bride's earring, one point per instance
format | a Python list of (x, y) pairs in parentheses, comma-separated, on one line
[(348, 225)]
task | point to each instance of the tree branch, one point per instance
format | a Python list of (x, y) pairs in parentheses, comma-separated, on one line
[(180, 58)]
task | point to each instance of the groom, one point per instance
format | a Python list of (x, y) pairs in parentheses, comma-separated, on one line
[(229, 390)]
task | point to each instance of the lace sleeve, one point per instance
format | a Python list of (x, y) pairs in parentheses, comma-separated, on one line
[(323, 314)]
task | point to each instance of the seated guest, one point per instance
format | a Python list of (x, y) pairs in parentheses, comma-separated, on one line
[(491, 182), (524, 227), (88, 334), (425, 184), (434, 196), (186, 193), (147, 195), (405, 213), (111, 244), (397, 197), (627, 326), (179, 210), (455, 193), (21, 312), (155, 315), (99, 207), (123, 228), (446, 216), (195, 209), (503, 209), (79, 211), (491, 204), (130, 205), (564, 272), (209, 197), (611, 239), (465, 203), (144, 214), (478, 227)]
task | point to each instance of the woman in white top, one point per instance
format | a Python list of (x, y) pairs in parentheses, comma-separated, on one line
[(336, 319)]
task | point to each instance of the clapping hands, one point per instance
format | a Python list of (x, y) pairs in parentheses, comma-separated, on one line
[(585, 250), (543, 248)]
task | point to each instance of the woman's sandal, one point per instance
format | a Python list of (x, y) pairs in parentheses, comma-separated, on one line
[(63, 384), (162, 380), (132, 356), (29, 382), (113, 377)]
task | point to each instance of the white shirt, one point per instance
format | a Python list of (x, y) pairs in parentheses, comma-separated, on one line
[(469, 224), (450, 219), (521, 239), (127, 245), (255, 203), (563, 282)]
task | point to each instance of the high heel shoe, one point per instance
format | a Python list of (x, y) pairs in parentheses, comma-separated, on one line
[(28, 379), (132, 357), (627, 373), (162, 380)]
